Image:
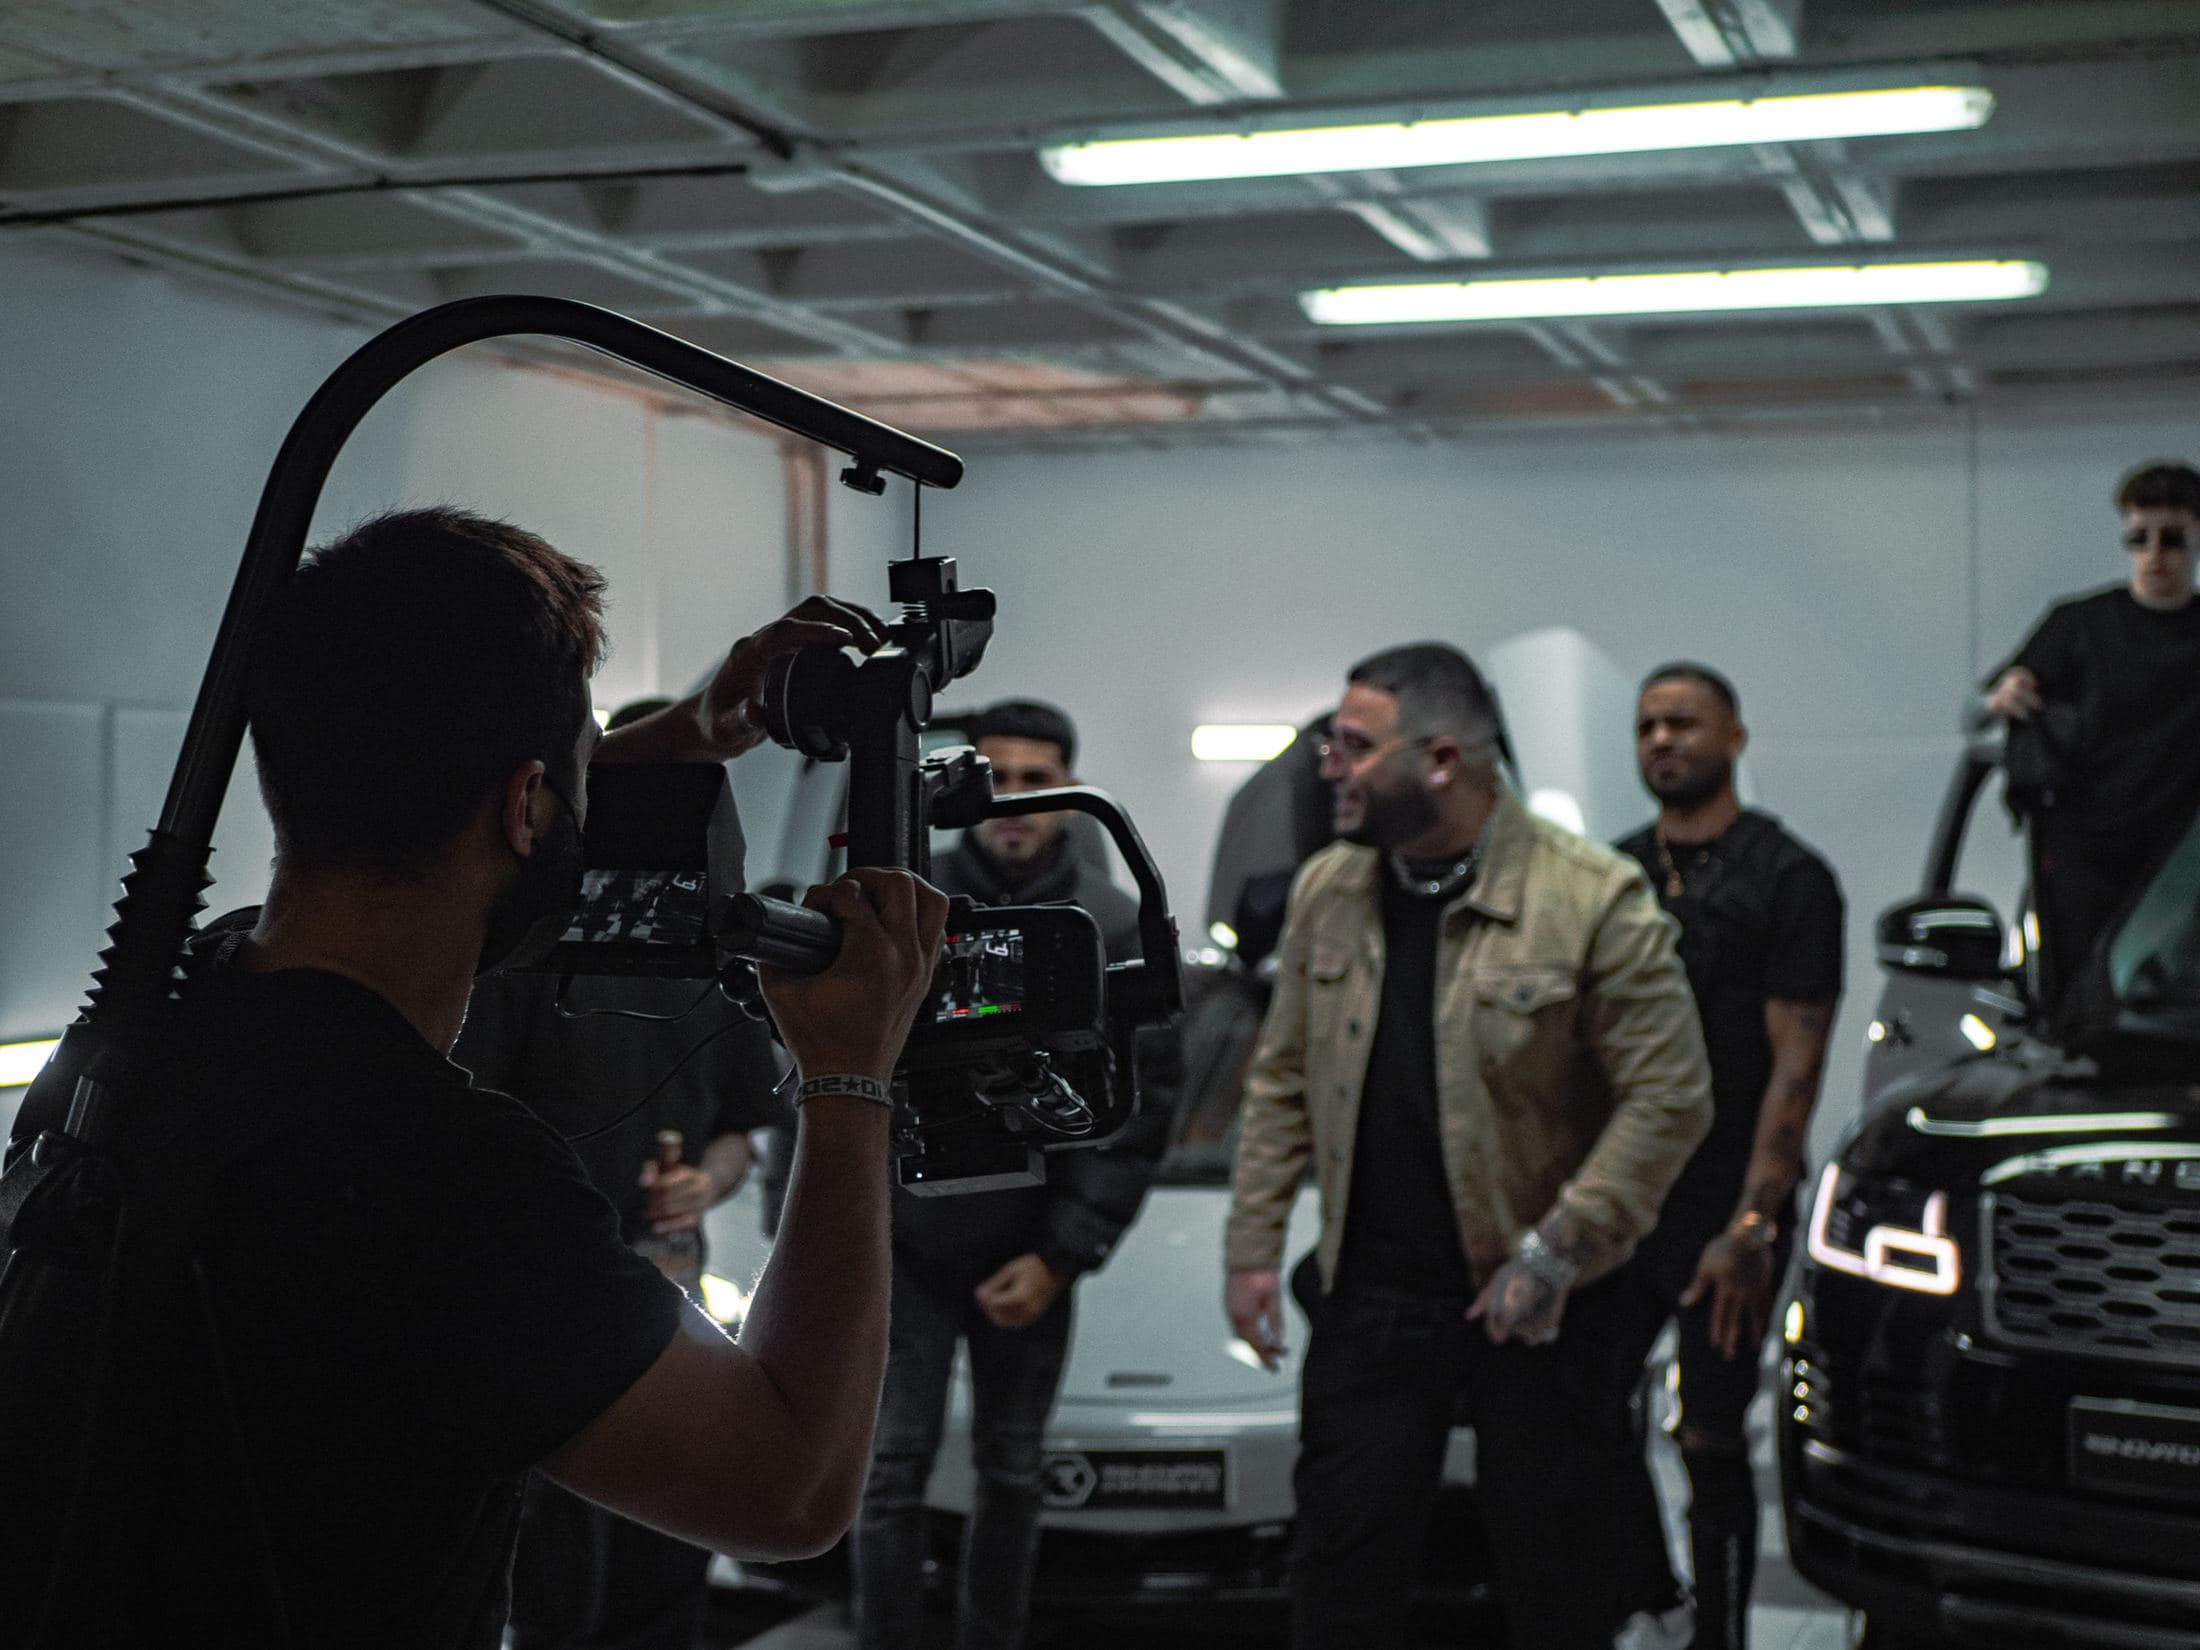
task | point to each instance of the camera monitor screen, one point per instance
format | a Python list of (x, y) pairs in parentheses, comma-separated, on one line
[(980, 975), (641, 908)]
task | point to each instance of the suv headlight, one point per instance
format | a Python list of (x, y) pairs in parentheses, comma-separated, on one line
[(1886, 1232)]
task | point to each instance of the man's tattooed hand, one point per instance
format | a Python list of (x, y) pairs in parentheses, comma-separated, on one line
[(1520, 1302)]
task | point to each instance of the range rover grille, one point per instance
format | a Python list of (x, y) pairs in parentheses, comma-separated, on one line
[(2086, 1276)]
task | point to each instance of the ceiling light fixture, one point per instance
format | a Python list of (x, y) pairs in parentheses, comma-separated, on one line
[(1544, 134), (1680, 293), (1240, 741)]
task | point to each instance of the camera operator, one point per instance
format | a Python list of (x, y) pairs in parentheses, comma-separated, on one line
[(415, 1295), (995, 1269), (704, 1077), (1483, 1044), (2106, 693)]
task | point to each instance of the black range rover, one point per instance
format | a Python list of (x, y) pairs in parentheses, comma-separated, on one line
[(1989, 1421)]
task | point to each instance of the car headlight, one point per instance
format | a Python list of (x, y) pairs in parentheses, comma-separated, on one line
[(1888, 1233)]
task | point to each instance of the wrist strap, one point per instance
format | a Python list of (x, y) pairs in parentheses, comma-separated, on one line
[(845, 1085)]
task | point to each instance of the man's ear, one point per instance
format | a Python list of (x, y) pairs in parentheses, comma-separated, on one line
[(1741, 739), (516, 804), (1444, 759)]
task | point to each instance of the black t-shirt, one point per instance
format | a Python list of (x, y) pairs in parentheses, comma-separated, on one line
[(420, 1296), (2134, 676), (1401, 1232), (1760, 917), (707, 1073)]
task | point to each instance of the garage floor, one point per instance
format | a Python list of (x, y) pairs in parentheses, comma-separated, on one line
[(1789, 1614)]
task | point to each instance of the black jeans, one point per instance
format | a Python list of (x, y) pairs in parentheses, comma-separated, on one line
[(1715, 1394), (1386, 1379), (584, 1577), (1013, 1376)]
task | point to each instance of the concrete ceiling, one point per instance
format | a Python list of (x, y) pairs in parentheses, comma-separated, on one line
[(847, 192)]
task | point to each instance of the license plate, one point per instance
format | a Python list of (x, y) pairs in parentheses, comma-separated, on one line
[(1116, 1480), (2135, 1449)]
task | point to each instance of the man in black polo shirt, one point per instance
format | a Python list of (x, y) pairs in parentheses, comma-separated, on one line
[(403, 1292), (1760, 918)]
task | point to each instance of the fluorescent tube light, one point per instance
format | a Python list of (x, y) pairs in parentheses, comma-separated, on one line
[(1240, 741), (1681, 293), (20, 1062), (1544, 134)]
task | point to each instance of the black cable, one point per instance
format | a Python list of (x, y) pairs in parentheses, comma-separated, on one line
[(700, 1044)]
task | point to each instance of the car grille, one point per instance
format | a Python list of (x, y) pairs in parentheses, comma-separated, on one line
[(2086, 1276)]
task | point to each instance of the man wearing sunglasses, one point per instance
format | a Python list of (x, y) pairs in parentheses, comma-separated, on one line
[(2109, 683), (1483, 1044)]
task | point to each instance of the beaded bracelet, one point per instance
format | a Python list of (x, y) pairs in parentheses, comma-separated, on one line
[(845, 1085)]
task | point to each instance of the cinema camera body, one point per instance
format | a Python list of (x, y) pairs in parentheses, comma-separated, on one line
[(1027, 1040)]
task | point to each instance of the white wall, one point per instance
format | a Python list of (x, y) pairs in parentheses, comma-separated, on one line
[(1829, 574), (139, 413)]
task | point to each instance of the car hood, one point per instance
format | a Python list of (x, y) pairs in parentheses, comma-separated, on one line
[(1983, 1120), (1150, 1327)]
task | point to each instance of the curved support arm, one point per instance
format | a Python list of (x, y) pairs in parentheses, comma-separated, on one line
[(301, 468)]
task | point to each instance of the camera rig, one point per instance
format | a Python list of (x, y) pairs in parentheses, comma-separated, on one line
[(1028, 1039)]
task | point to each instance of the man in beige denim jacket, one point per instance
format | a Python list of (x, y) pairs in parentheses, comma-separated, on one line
[(1483, 1042)]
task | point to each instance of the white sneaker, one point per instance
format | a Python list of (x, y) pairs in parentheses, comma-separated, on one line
[(1667, 1630)]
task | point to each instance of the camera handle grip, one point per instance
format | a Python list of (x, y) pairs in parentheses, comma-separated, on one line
[(780, 934)]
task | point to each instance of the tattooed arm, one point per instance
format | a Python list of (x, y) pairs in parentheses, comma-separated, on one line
[(1736, 1267)]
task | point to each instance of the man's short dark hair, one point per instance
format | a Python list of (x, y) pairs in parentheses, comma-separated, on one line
[(1687, 670), (1028, 719), (1437, 688), (2160, 487), (404, 672)]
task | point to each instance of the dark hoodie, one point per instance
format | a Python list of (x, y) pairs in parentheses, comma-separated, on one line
[(1091, 1196)]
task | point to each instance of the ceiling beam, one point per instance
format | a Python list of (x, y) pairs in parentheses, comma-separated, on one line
[(1726, 34), (1206, 51)]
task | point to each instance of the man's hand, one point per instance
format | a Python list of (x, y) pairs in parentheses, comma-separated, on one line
[(677, 1196), (727, 716), (2016, 696), (1736, 1272), (854, 1017), (1520, 1303), (1018, 1295), (731, 707), (1254, 1301)]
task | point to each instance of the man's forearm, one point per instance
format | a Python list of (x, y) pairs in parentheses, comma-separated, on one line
[(1783, 1116), (817, 1326)]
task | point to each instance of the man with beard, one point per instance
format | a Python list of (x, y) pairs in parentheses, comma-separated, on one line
[(994, 1269), (1760, 918), (401, 1293), (1483, 1042)]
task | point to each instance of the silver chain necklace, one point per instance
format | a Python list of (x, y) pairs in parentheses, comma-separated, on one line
[(1443, 885)]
